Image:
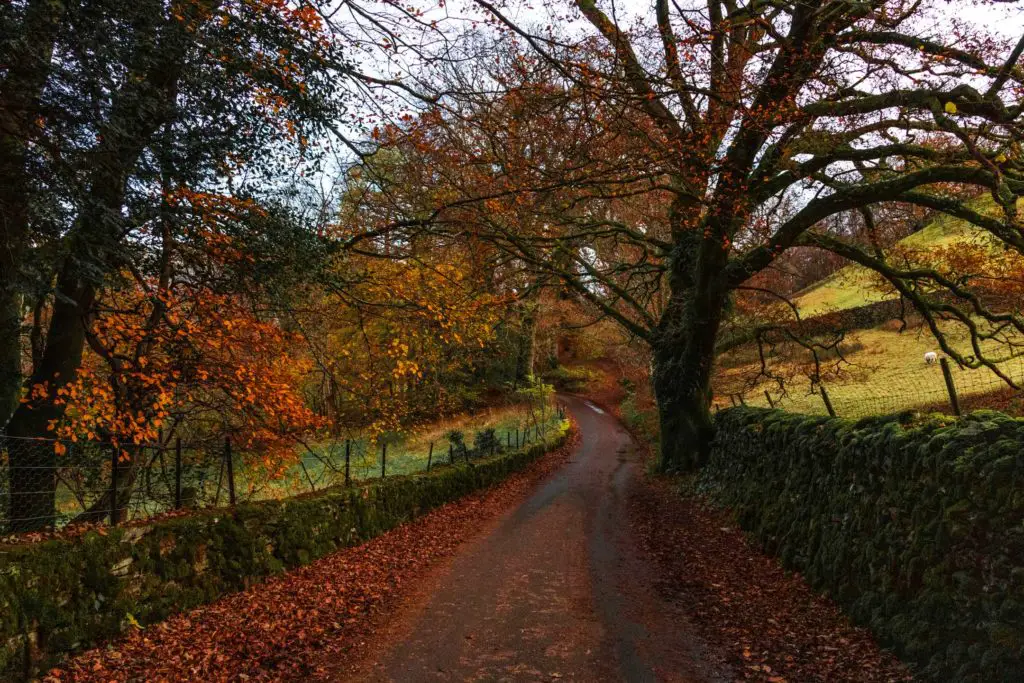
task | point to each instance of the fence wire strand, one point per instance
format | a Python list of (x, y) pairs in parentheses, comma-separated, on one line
[(920, 388), (46, 484)]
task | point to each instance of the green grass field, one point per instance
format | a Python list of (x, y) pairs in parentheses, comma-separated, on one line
[(322, 464), (316, 466), (853, 285), (886, 373)]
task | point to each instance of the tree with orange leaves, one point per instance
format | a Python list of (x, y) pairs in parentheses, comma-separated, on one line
[(188, 348), (108, 110)]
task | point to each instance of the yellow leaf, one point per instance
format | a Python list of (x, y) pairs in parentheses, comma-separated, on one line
[(950, 108)]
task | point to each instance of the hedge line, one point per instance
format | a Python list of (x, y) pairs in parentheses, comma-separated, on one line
[(67, 594), (914, 525)]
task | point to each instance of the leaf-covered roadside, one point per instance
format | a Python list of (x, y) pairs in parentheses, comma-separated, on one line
[(294, 625), (772, 625)]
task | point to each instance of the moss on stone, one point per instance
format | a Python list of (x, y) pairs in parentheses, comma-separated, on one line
[(63, 595), (914, 523)]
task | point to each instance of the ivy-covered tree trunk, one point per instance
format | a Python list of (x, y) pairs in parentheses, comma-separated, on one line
[(684, 353), (527, 343), (682, 382), (682, 387), (27, 61)]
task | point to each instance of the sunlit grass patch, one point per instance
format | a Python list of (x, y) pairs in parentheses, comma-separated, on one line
[(323, 464), (853, 285), (885, 373)]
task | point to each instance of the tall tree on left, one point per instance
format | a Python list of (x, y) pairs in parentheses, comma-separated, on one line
[(27, 53), (105, 108)]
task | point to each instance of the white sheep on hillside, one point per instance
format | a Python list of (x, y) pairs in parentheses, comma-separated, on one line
[(931, 357)]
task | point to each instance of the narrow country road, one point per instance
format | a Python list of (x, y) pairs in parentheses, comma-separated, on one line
[(577, 568), (556, 591)]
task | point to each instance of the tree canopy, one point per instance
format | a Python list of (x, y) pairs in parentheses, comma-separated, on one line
[(276, 218), (670, 159)]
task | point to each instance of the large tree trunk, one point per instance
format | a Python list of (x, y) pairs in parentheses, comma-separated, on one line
[(20, 93), (684, 352), (140, 108), (33, 469), (681, 386)]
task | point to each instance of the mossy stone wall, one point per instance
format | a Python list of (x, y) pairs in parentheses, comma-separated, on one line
[(67, 594), (915, 525)]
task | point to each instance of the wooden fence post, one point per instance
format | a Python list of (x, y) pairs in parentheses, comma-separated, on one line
[(113, 484), (177, 473), (309, 478), (149, 463), (229, 463), (348, 460), (828, 402), (430, 455), (954, 400)]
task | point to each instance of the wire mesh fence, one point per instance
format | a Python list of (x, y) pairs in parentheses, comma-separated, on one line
[(940, 386), (47, 484)]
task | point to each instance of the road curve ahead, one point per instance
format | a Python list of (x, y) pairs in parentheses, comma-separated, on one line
[(555, 591)]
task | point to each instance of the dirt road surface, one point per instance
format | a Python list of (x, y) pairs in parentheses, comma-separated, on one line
[(578, 568), (557, 590)]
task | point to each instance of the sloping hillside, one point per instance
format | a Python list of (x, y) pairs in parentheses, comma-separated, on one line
[(852, 286), (885, 369), (885, 372)]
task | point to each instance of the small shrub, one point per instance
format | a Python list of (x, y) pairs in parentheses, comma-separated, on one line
[(641, 421), (464, 397), (458, 441), (485, 442)]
